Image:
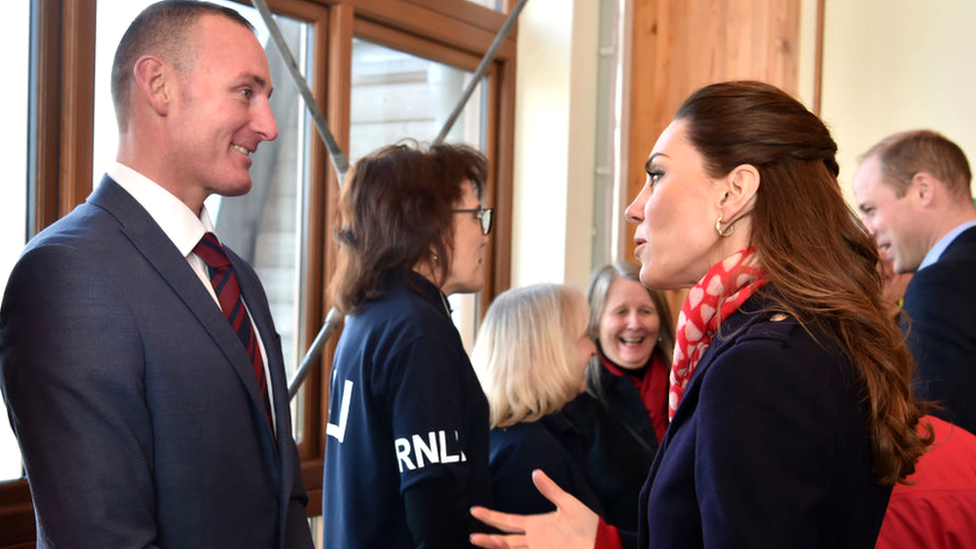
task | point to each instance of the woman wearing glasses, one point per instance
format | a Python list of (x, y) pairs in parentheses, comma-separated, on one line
[(407, 450)]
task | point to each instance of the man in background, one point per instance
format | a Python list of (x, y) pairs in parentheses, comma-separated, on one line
[(141, 371), (913, 192)]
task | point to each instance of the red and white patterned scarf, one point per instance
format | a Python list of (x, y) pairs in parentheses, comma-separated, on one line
[(698, 321)]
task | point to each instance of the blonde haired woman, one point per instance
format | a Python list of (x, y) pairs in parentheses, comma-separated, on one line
[(530, 356)]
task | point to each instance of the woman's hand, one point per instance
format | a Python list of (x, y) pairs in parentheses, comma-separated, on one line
[(571, 526)]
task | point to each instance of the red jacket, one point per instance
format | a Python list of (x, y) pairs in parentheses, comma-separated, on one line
[(938, 509)]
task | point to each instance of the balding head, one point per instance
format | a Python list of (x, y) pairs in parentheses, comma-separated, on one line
[(903, 155)]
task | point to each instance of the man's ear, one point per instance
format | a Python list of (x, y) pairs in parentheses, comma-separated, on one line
[(153, 83), (738, 190), (925, 186)]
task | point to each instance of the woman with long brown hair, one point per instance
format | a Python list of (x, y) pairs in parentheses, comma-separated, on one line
[(791, 414)]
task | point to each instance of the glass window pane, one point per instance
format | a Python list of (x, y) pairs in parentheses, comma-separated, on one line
[(493, 4), (13, 193), (266, 226), (396, 95)]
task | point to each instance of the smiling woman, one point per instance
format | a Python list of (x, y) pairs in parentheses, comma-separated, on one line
[(622, 416)]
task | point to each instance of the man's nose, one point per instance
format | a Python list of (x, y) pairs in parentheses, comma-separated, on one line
[(264, 122)]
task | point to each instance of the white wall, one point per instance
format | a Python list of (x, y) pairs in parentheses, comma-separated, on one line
[(894, 65), (554, 141), (806, 81)]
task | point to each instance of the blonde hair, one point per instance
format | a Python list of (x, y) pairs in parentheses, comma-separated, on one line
[(525, 350)]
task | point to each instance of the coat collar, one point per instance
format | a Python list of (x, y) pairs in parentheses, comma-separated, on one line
[(753, 311)]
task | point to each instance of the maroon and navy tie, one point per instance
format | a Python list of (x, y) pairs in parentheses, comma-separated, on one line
[(225, 285)]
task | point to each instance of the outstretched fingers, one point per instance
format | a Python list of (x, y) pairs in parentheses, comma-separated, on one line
[(511, 524), (550, 490), (493, 541)]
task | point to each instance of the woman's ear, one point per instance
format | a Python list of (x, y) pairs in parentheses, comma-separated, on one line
[(738, 188)]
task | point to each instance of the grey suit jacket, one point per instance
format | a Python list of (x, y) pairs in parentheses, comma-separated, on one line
[(134, 402)]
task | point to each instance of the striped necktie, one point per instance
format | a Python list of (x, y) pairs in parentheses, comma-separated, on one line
[(225, 285)]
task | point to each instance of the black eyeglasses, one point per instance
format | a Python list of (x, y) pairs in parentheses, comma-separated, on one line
[(483, 215)]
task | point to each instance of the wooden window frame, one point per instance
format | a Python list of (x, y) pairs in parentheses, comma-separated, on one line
[(454, 32)]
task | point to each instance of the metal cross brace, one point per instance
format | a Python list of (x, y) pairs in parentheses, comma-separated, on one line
[(341, 163)]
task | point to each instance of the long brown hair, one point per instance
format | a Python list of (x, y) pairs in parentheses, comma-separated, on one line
[(820, 262), (396, 211)]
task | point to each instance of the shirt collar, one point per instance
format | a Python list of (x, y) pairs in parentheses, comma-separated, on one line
[(179, 223), (940, 247)]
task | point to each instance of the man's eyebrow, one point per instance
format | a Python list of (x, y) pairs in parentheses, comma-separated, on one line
[(257, 81), (252, 78)]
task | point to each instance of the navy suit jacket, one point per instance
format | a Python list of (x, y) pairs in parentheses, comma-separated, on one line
[(134, 402), (518, 450), (941, 305), (768, 448)]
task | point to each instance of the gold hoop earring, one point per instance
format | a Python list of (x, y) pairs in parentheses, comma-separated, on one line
[(729, 230)]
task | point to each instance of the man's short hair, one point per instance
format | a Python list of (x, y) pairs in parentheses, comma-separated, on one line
[(903, 155), (164, 29)]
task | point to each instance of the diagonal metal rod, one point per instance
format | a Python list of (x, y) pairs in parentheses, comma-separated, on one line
[(481, 70), (339, 159), (332, 323), (341, 163)]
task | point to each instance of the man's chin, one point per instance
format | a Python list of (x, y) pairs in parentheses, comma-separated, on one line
[(902, 268), (237, 189)]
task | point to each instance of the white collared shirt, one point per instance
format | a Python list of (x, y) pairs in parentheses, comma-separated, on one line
[(940, 247), (185, 230)]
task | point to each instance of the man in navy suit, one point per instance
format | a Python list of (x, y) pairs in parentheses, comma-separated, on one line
[(143, 418), (913, 192)]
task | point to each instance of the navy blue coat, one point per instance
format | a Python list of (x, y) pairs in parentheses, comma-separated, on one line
[(136, 407), (768, 448), (406, 410), (941, 303), (619, 443), (518, 450)]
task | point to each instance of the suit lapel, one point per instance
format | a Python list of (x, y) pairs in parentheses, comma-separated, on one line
[(147, 237)]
